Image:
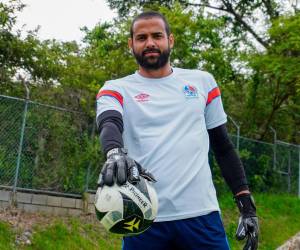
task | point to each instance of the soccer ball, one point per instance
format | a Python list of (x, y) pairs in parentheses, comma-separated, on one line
[(128, 209)]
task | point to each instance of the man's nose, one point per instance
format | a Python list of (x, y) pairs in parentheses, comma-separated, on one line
[(150, 42)]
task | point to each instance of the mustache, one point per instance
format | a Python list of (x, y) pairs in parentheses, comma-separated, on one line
[(153, 50)]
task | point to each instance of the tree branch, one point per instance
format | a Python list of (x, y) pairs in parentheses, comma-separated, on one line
[(270, 9), (206, 5), (267, 124), (239, 19), (229, 9)]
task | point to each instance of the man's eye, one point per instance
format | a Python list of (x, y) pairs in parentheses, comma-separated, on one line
[(141, 38), (158, 36)]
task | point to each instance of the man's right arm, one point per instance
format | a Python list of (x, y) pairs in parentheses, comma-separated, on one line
[(110, 127), (118, 167)]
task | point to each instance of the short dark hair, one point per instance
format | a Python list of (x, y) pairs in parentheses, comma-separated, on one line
[(147, 15)]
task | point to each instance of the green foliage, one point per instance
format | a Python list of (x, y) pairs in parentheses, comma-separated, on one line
[(38, 59), (262, 174), (276, 80), (57, 151), (198, 42), (6, 237), (240, 15)]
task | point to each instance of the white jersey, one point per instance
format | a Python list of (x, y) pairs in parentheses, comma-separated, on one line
[(165, 130)]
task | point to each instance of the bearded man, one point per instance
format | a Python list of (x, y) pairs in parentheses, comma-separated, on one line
[(160, 121)]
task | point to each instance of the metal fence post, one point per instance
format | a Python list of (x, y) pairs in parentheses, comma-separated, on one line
[(299, 172), (237, 133), (90, 163), (289, 172), (20, 145), (274, 147)]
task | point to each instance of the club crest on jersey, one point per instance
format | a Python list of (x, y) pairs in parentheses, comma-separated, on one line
[(190, 91), (142, 97)]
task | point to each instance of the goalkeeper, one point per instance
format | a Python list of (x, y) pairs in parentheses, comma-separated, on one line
[(165, 119)]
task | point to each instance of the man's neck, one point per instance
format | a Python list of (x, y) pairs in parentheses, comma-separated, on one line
[(159, 73)]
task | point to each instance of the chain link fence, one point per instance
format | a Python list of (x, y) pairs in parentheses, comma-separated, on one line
[(11, 111), (287, 165), (45, 148), (54, 150)]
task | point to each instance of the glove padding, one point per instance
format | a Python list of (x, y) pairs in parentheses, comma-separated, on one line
[(248, 221), (120, 168)]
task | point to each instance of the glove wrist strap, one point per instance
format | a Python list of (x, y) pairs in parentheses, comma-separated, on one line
[(115, 151), (245, 203)]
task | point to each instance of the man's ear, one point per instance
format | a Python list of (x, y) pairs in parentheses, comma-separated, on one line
[(171, 40), (130, 44)]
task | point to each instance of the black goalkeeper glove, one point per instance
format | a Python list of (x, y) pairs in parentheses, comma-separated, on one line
[(120, 168), (248, 221)]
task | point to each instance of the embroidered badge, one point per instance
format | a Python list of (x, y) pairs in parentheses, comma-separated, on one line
[(190, 91), (142, 97)]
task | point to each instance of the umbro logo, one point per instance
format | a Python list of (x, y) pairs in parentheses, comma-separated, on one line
[(142, 97)]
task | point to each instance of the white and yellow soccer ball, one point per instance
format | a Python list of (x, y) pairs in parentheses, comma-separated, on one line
[(128, 209)]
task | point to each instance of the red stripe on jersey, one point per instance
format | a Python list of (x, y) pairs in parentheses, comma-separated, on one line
[(214, 93), (111, 93)]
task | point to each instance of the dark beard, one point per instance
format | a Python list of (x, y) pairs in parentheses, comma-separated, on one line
[(147, 63)]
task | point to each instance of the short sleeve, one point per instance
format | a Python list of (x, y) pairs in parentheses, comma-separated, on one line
[(214, 111), (109, 97)]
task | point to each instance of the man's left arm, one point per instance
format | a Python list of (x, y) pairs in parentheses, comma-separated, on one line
[(234, 174)]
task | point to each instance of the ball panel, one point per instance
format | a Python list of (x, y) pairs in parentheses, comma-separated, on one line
[(108, 199), (110, 219), (153, 200), (113, 216), (99, 214), (130, 208), (132, 225), (148, 215), (143, 187), (134, 194)]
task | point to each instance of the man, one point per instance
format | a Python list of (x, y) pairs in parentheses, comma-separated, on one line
[(165, 118)]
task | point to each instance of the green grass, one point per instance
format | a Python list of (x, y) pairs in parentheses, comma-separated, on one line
[(279, 220), (6, 237), (73, 235)]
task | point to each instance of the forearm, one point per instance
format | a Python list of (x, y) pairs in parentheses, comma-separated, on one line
[(231, 166), (110, 126), (232, 170)]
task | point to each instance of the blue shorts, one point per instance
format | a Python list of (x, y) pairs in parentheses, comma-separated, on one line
[(204, 232)]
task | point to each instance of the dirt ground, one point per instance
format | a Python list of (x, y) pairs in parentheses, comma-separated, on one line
[(291, 244)]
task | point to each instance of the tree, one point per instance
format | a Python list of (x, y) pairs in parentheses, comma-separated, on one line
[(34, 60), (242, 14), (276, 81)]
